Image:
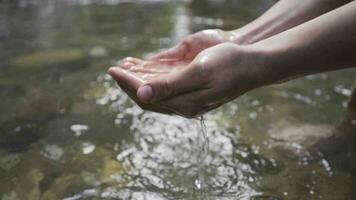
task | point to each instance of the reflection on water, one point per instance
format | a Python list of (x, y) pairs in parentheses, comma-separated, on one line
[(67, 132)]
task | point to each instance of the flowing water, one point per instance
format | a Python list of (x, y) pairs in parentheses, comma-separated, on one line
[(204, 152), (67, 131)]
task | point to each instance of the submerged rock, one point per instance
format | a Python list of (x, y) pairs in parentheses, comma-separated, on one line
[(9, 161), (16, 136), (29, 125), (38, 60), (29, 188), (53, 152), (98, 52), (10, 196), (304, 134), (67, 184), (99, 168)]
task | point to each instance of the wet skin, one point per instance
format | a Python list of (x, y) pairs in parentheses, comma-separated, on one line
[(189, 87), (163, 63), (135, 72), (211, 69)]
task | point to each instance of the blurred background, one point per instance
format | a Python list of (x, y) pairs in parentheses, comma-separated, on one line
[(67, 132)]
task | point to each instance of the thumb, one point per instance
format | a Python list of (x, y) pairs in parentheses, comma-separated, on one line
[(169, 85)]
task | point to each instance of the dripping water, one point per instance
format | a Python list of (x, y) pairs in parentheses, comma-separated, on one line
[(203, 141)]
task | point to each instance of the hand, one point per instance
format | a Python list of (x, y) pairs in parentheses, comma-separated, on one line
[(133, 72), (216, 76), (194, 44)]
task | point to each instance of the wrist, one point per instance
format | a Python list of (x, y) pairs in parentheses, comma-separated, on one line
[(241, 37), (264, 65)]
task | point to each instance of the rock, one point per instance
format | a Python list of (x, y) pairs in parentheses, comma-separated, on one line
[(53, 152), (95, 91), (9, 161), (10, 196), (17, 135), (98, 52), (29, 125), (83, 108), (86, 170), (29, 187), (304, 134), (64, 185), (102, 163), (38, 60)]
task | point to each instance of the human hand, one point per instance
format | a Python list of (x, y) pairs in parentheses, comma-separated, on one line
[(193, 44), (216, 76), (133, 72)]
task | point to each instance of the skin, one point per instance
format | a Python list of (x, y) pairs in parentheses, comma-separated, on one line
[(209, 68), (284, 15)]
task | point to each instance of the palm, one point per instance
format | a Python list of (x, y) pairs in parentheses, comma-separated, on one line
[(134, 72), (192, 45), (144, 71)]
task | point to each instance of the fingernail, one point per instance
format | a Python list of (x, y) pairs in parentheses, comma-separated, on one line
[(145, 93)]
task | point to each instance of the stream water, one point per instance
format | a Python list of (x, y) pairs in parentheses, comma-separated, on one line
[(68, 132), (204, 153)]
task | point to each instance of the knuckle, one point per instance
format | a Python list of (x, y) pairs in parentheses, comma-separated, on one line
[(166, 89), (162, 89)]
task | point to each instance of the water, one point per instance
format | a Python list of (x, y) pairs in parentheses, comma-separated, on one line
[(204, 152), (67, 132)]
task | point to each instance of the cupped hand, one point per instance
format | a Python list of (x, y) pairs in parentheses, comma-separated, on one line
[(214, 77), (193, 44), (133, 72)]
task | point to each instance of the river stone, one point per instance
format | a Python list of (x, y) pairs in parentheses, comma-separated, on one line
[(304, 134), (16, 136), (52, 152), (9, 161), (38, 60), (10, 196)]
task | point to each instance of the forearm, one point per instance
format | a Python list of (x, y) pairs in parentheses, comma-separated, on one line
[(323, 44), (282, 16)]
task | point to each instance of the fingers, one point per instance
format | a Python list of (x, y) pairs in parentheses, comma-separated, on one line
[(135, 61), (175, 53), (149, 70), (171, 84), (123, 76), (129, 62), (131, 92), (190, 104), (127, 65), (148, 107)]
